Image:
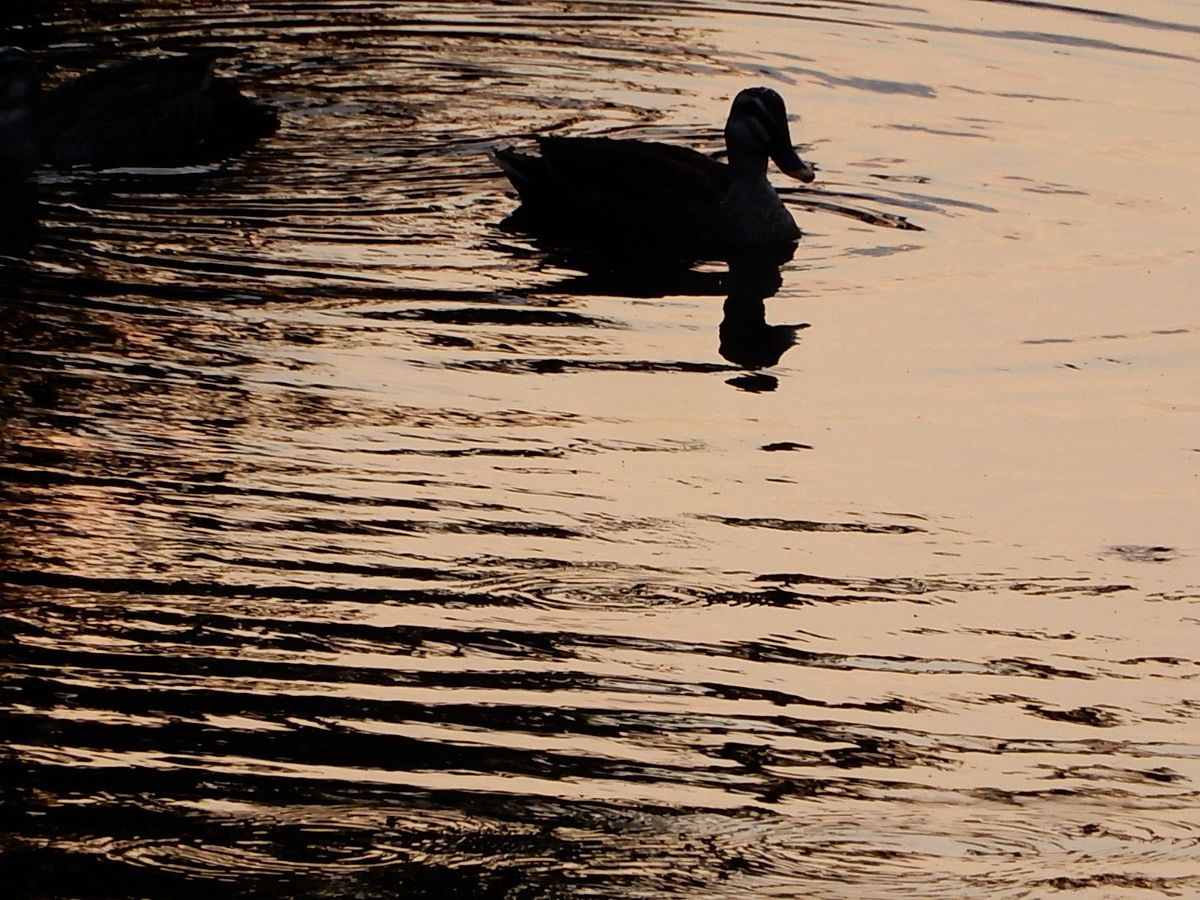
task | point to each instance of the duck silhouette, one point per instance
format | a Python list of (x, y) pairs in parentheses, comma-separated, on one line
[(646, 197), (160, 112)]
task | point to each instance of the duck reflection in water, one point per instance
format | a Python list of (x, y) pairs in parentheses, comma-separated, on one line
[(747, 340), (154, 112)]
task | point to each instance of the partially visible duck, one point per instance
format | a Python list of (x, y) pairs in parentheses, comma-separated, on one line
[(659, 198), (19, 87), (166, 111)]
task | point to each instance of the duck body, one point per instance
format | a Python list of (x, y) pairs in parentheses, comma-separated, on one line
[(160, 112), (645, 197)]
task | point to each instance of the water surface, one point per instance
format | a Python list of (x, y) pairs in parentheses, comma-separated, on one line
[(351, 545)]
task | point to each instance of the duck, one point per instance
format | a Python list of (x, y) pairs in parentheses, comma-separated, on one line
[(648, 197), (152, 112)]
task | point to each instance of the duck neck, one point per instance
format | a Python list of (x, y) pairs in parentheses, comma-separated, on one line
[(18, 102), (747, 165), (18, 147)]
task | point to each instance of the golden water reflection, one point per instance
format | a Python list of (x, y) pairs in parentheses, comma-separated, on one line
[(350, 544)]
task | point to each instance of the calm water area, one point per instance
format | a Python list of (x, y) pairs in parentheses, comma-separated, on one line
[(352, 545)]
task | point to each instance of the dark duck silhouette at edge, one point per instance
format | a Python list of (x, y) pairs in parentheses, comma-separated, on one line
[(651, 198), (153, 112)]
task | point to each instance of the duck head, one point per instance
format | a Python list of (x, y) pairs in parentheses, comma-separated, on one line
[(757, 129)]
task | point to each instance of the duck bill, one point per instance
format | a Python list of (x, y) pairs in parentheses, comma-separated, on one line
[(792, 165)]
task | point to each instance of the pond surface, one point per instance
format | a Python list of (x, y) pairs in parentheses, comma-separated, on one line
[(351, 545)]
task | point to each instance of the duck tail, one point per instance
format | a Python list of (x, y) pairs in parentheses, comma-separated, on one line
[(526, 173)]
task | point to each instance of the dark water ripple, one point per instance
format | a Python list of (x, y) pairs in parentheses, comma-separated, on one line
[(299, 597)]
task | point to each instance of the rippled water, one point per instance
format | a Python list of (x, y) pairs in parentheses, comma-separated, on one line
[(351, 545)]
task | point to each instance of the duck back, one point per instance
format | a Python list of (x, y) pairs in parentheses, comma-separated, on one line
[(153, 112), (617, 193)]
